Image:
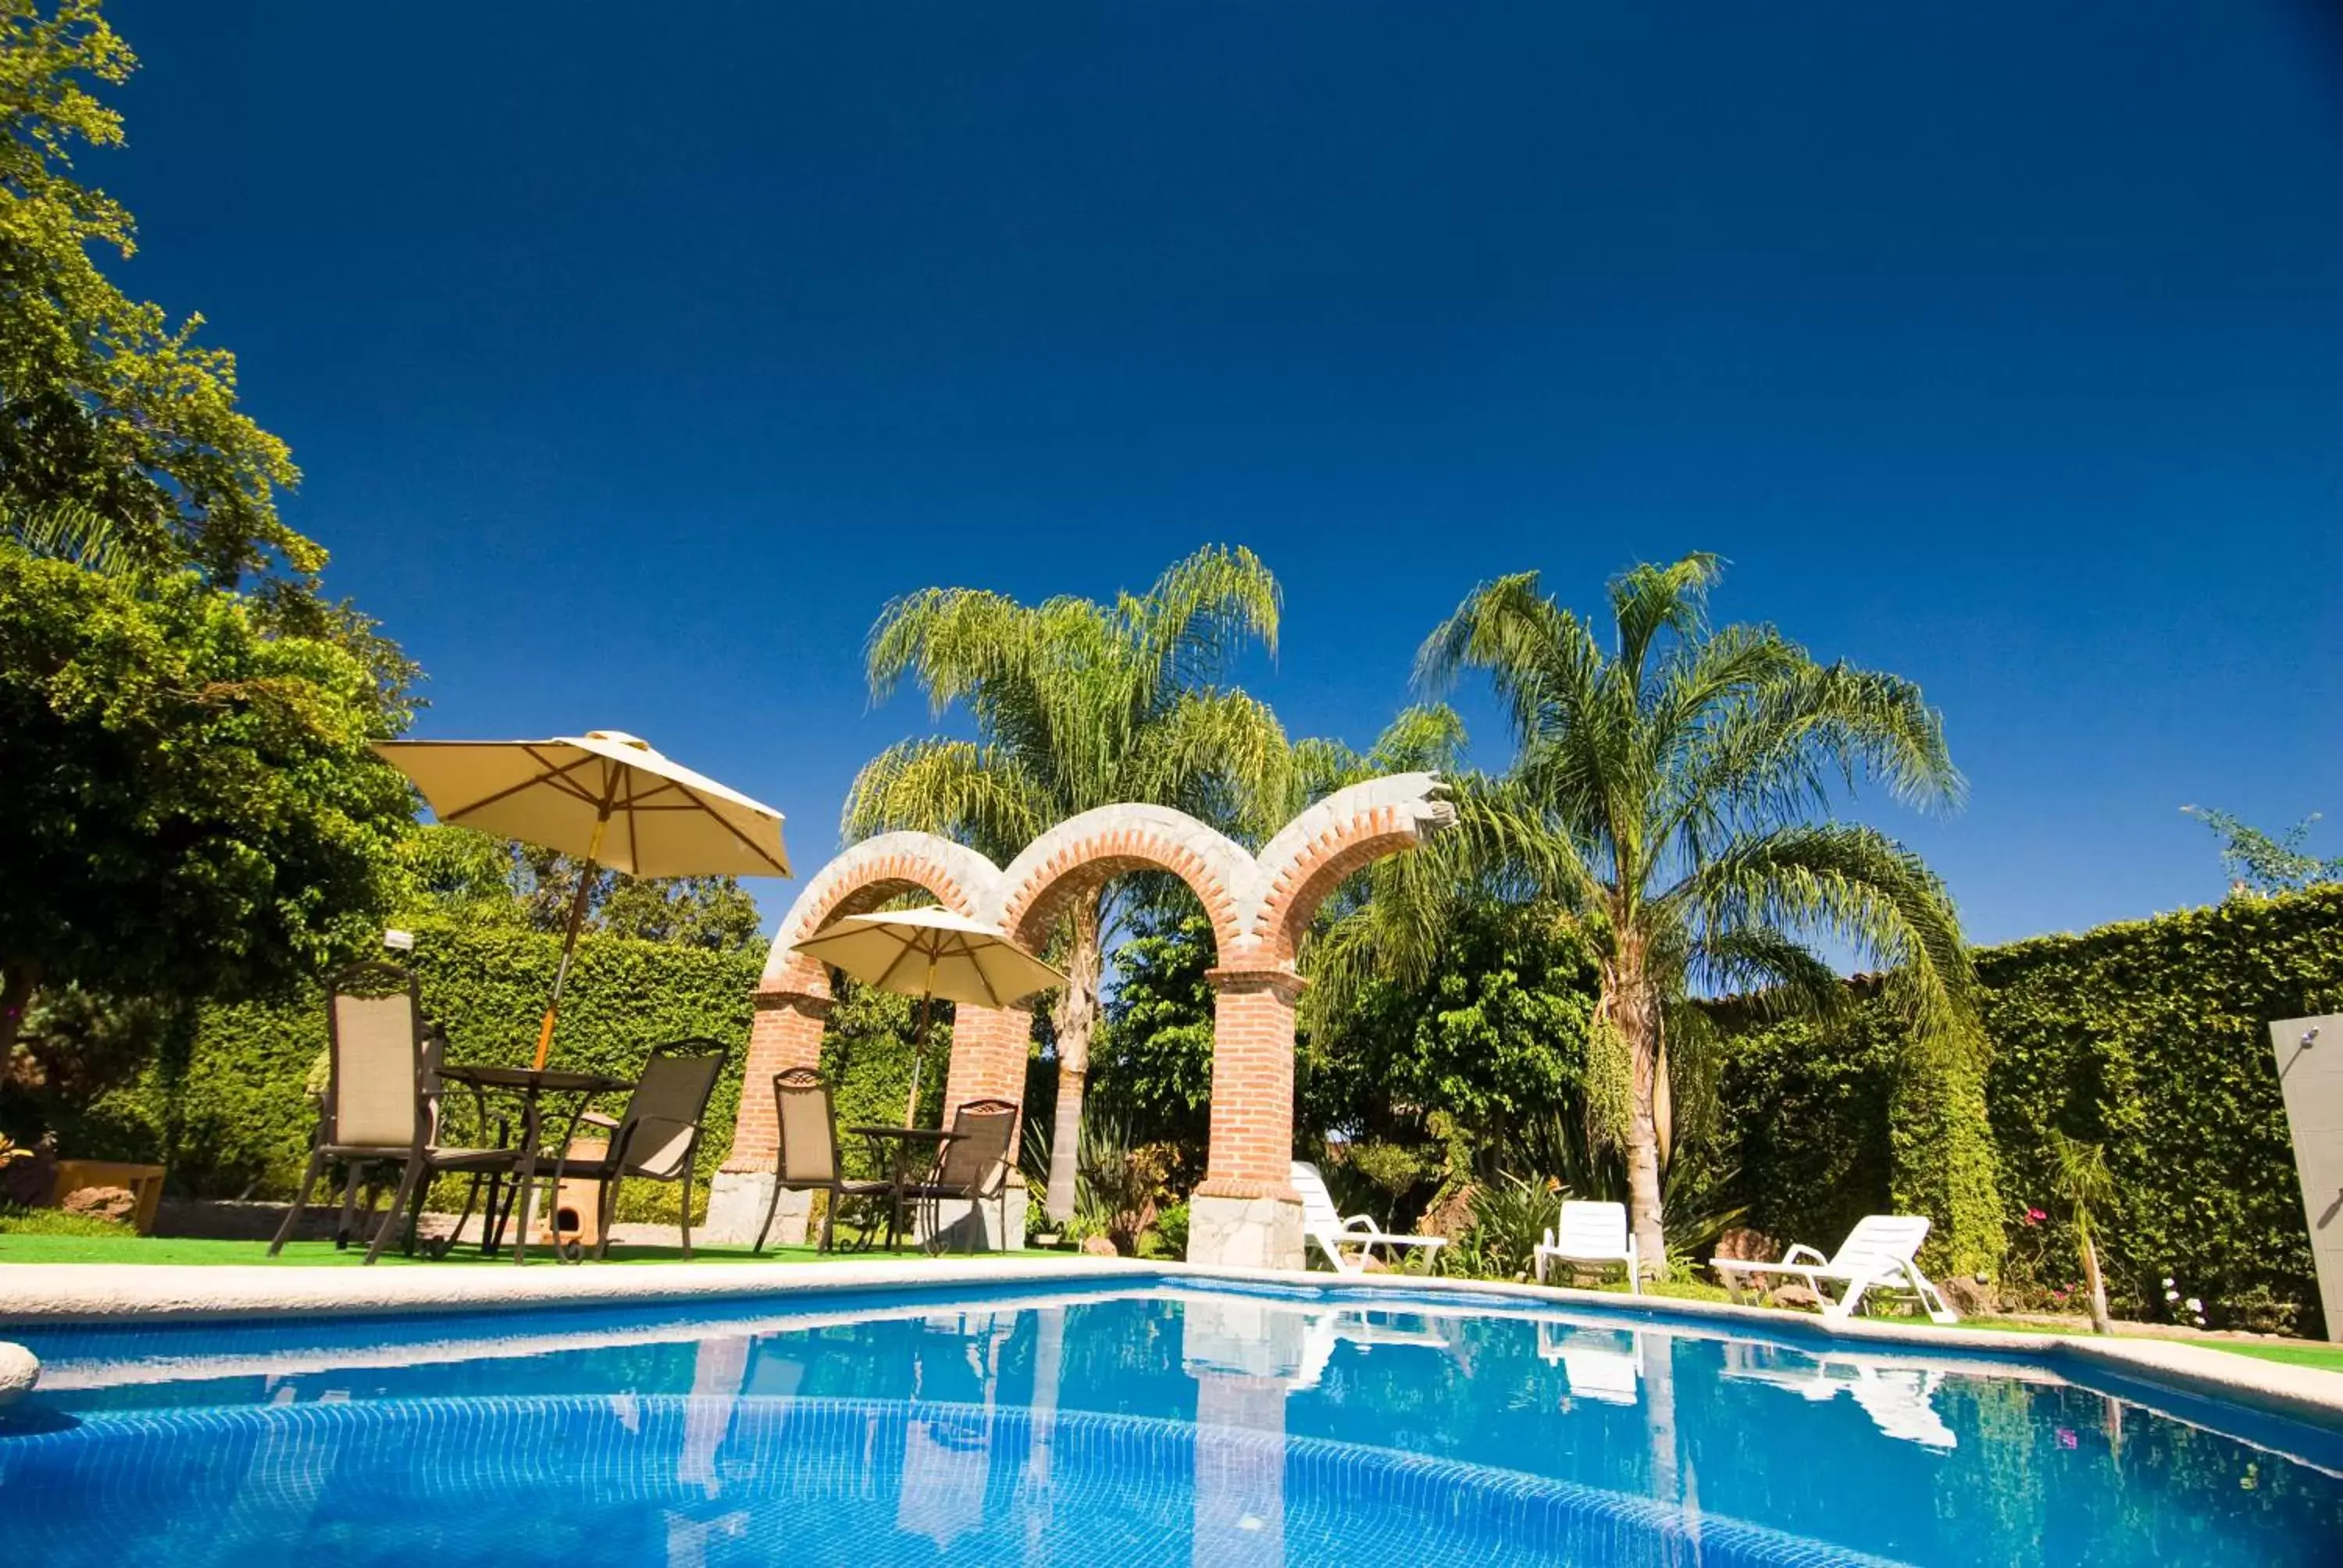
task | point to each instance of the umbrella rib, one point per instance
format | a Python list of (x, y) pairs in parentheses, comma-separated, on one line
[(555, 777), (754, 847)]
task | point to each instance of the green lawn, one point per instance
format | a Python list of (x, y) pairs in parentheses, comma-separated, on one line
[(20, 1248)]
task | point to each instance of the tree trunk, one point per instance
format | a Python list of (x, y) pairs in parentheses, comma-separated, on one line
[(16, 997), (1073, 1017), (1634, 1012), (2098, 1285)]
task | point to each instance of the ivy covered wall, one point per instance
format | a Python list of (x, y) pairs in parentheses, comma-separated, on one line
[(2149, 1037)]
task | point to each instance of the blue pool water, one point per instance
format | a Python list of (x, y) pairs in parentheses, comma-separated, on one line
[(1155, 1424)]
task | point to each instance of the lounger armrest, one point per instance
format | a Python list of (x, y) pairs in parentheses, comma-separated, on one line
[(1812, 1255), (1354, 1224)]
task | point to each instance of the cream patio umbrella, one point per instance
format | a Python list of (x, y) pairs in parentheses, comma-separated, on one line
[(606, 797), (928, 953)]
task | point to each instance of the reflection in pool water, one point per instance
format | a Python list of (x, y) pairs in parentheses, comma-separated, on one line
[(1151, 1425)]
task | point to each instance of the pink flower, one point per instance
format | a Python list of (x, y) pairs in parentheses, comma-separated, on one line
[(2067, 1438), (2034, 1216)]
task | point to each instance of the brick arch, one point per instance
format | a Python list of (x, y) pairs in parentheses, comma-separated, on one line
[(1313, 854), (1244, 1212), (1084, 852), (864, 877)]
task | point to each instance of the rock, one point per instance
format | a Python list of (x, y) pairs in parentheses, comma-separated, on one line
[(1098, 1247), (1972, 1298), (20, 1370), (1452, 1216), (1371, 1264), (1742, 1245), (118, 1204), (1796, 1296)]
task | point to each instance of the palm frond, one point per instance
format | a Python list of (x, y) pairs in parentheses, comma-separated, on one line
[(73, 532), (1221, 756), (980, 795)]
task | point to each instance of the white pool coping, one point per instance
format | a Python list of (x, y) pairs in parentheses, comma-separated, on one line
[(53, 1294)]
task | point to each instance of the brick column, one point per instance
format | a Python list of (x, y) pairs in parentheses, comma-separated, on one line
[(786, 1033), (1245, 1212), (988, 1047)]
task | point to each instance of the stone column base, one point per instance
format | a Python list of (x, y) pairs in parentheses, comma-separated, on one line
[(1245, 1232), (735, 1208)]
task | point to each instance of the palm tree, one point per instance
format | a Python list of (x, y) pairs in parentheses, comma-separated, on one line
[(1078, 705), (1677, 783), (2080, 1173)]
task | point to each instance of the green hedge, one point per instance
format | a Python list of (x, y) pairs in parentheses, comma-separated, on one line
[(2150, 1037), (2153, 1036), (225, 1102)]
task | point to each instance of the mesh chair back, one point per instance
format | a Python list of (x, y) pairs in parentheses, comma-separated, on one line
[(981, 1152), (807, 1125), (661, 1126), (374, 1023)]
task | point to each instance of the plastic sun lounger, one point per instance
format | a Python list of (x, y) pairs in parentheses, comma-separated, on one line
[(1590, 1233), (1877, 1254), (1333, 1232)]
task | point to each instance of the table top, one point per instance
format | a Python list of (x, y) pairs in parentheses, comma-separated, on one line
[(531, 1078), (927, 1134)]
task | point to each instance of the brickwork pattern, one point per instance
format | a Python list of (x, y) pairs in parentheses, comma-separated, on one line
[(1253, 1083)]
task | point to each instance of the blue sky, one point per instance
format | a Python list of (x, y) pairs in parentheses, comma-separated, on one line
[(634, 365)]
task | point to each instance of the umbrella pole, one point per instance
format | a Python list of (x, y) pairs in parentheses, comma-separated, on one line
[(569, 936), (920, 1043)]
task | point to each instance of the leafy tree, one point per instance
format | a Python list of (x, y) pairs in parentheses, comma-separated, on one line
[(1675, 780), (1491, 1038), (1153, 1057), (2269, 864), (193, 811), (456, 873), (102, 400), (117, 426), (1078, 705)]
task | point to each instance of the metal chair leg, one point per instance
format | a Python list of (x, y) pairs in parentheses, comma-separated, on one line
[(300, 1199), (771, 1208), (346, 1230), (607, 1200), (686, 1213), (407, 1184)]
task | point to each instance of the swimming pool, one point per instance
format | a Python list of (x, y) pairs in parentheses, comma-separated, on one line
[(1146, 1423)]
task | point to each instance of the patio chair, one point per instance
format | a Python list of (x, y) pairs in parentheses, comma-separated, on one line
[(974, 1166), (1877, 1255), (807, 1119), (1590, 1233), (382, 1104), (1333, 1233), (657, 1137)]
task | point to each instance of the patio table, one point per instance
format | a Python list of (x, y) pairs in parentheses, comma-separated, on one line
[(531, 1085), (897, 1146)]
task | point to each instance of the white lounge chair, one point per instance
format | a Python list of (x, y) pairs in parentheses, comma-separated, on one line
[(1333, 1233), (1877, 1255), (1898, 1398), (1590, 1233), (1592, 1360)]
